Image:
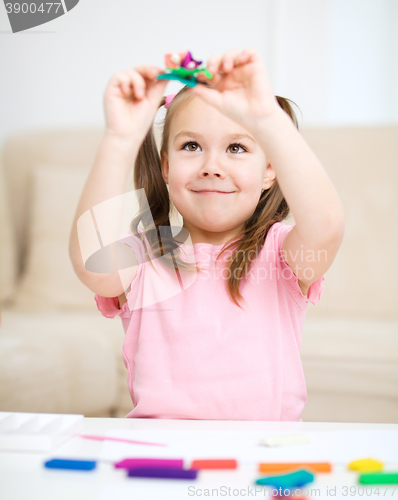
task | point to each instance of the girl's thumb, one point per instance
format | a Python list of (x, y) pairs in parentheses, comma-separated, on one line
[(157, 90), (211, 96)]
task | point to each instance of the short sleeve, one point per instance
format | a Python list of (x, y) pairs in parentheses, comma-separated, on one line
[(278, 233), (109, 306)]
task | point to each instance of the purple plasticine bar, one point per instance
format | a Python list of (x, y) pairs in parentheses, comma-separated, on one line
[(165, 473), (134, 463)]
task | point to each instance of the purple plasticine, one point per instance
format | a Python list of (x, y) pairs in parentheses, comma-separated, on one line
[(163, 473), (187, 59), (131, 463)]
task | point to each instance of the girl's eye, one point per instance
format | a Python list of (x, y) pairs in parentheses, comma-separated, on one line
[(236, 145), (188, 144)]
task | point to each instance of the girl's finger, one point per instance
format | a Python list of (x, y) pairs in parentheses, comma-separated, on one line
[(137, 79), (250, 54), (213, 64), (229, 59), (242, 58), (137, 82), (224, 63), (148, 71), (215, 80), (211, 96), (121, 80)]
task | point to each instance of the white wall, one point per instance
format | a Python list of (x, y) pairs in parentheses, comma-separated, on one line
[(338, 59)]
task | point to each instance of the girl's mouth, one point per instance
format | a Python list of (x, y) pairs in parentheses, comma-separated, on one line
[(207, 192)]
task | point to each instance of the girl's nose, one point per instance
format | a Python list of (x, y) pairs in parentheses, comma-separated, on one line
[(211, 168), (206, 174)]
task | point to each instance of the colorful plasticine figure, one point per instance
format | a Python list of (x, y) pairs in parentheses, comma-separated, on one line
[(182, 67)]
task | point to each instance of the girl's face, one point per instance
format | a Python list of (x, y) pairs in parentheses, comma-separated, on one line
[(215, 171)]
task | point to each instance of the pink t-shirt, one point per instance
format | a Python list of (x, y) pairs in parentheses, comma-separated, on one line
[(191, 353)]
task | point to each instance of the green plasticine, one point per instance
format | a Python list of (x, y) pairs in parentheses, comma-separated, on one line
[(170, 76), (186, 73), (379, 478)]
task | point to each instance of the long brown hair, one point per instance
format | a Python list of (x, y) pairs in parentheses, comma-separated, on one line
[(156, 206)]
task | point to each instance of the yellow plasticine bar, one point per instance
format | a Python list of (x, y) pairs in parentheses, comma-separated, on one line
[(366, 465)]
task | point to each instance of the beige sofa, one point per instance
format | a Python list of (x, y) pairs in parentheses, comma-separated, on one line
[(59, 354)]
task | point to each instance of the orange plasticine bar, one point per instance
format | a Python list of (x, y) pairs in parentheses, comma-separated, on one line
[(214, 464), (284, 466)]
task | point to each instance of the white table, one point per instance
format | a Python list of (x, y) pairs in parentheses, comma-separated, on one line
[(23, 476)]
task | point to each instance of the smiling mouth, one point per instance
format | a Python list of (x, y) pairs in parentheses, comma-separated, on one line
[(213, 192)]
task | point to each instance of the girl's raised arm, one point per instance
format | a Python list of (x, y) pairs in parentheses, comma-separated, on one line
[(131, 101), (241, 90), (311, 246)]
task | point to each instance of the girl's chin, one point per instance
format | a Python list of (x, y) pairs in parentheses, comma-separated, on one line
[(211, 226)]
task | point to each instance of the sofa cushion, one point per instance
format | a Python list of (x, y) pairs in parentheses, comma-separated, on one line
[(71, 148), (351, 356), (49, 281), (362, 165), (351, 370), (61, 363)]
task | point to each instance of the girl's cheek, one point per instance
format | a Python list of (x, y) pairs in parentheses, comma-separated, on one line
[(248, 183)]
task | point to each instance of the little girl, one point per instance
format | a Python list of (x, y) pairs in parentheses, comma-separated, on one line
[(213, 315)]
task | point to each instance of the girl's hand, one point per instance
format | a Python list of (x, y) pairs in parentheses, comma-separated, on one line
[(132, 99), (241, 87)]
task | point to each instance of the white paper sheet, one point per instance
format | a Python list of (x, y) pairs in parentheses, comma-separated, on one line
[(338, 447)]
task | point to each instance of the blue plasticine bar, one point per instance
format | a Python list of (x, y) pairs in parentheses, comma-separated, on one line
[(292, 480), (164, 473), (60, 463)]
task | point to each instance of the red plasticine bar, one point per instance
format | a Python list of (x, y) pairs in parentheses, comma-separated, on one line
[(214, 464)]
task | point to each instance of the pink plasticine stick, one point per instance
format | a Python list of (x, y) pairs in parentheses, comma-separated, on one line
[(121, 440)]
